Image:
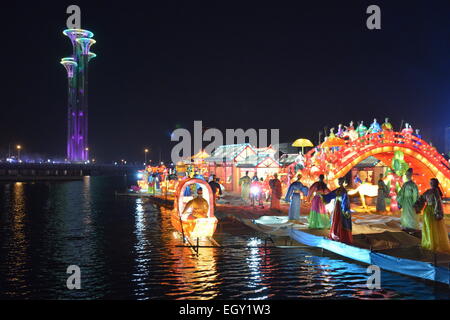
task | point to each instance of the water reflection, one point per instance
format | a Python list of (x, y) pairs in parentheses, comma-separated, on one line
[(195, 274), (142, 250), (87, 201), (16, 240), (126, 249), (257, 265)]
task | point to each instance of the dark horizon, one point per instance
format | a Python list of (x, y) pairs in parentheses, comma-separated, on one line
[(159, 67)]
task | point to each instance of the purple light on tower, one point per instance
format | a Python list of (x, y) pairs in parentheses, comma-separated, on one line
[(71, 66), (77, 72)]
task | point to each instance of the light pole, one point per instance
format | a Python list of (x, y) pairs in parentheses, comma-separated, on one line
[(145, 156), (19, 147)]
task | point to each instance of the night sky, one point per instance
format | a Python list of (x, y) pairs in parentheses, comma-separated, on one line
[(298, 66)]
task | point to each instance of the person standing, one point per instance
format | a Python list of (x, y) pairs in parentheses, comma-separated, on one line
[(276, 193), (340, 132), (362, 129), (406, 198), (388, 130), (383, 193), (434, 230), (417, 134), (352, 133), (341, 226), (219, 186), (374, 127), (245, 182), (408, 130), (152, 183), (293, 197), (256, 193), (216, 189), (387, 126), (318, 217)]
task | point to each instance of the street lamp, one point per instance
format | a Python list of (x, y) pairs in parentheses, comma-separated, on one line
[(19, 147), (86, 154), (145, 156)]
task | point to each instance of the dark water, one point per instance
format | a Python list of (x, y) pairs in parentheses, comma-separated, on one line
[(126, 249)]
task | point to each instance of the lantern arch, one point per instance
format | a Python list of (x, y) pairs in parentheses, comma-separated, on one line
[(422, 157)]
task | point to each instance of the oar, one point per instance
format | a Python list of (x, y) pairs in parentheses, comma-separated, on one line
[(179, 217)]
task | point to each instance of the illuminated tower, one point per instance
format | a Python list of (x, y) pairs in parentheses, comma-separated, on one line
[(71, 66), (77, 73)]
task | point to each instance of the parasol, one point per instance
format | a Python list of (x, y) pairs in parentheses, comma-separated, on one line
[(302, 143), (201, 155), (333, 142)]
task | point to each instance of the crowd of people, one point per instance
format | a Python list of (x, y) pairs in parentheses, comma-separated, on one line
[(256, 190), (352, 133), (339, 222)]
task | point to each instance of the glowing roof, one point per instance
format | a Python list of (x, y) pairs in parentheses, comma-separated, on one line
[(255, 160), (70, 65), (85, 44), (68, 61), (230, 152), (201, 155), (78, 33)]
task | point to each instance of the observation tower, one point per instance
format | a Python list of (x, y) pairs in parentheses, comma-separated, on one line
[(77, 74)]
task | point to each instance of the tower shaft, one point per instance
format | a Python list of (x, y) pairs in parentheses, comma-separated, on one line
[(71, 115)]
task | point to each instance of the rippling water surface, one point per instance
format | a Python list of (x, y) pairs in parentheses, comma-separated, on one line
[(126, 249)]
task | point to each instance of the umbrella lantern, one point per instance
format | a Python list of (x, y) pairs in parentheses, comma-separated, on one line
[(201, 155), (334, 142), (302, 143)]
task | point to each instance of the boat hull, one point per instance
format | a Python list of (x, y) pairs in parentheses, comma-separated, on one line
[(196, 228)]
